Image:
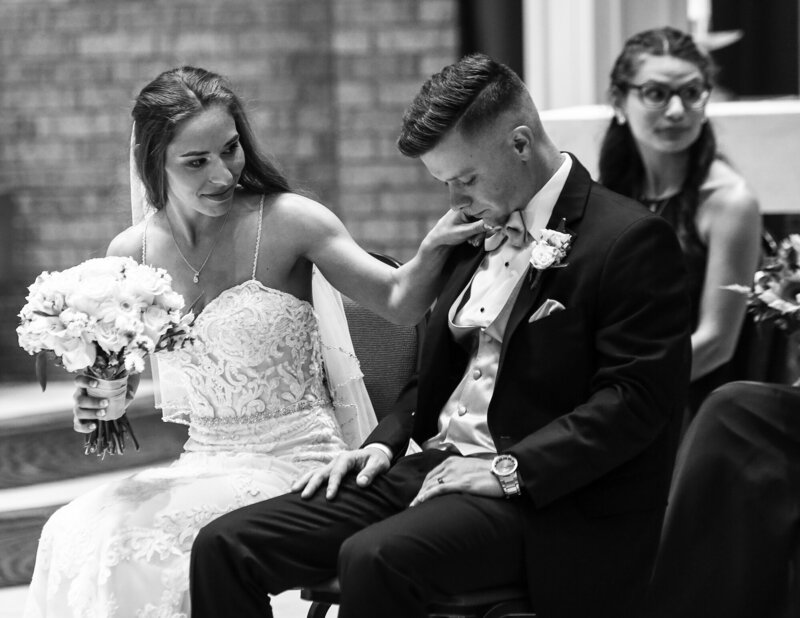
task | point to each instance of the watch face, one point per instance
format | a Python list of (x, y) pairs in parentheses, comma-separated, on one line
[(505, 465)]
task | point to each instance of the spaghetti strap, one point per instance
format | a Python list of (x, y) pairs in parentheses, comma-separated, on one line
[(258, 236), (144, 241)]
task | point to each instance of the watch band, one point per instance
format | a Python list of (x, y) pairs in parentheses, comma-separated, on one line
[(504, 467), (510, 484)]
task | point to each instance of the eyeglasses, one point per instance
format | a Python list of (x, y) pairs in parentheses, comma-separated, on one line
[(655, 95)]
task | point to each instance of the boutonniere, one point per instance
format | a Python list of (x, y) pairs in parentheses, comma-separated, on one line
[(549, 251)]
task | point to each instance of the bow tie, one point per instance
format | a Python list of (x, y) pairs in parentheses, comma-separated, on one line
[(514, 229)]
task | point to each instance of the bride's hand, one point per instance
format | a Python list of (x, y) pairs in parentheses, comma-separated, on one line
[(87, 409), (453, 228), (368, 462)]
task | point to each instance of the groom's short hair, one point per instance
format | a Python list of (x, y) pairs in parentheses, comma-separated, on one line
[(468, 94)]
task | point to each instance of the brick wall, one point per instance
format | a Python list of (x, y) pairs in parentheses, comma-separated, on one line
[(325, 82), (383, 51)]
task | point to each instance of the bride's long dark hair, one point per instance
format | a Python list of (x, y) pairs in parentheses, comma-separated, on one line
[(620, 164), (171, 99)]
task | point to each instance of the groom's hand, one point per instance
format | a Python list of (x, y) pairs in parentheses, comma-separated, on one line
[(466, 475), (368, 462)]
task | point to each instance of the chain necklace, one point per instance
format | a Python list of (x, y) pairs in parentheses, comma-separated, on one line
[(197, 271)]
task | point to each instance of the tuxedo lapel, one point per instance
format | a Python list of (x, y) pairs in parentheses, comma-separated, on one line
[(569, 207), (572, 201)]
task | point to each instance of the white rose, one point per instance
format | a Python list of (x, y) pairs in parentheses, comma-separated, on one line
[(155, 320), (171, 301), (47, 294), (107, 311), (90, 295), (543, 256), (109, 267), (76, 352), (38, 332), (146, 283), (555, 238), (109, 337)]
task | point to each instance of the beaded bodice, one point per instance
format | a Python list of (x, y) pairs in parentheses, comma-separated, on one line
[(253, 373)]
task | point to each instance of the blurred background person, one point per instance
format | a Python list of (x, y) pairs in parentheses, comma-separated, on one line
[(660, 149), (731, 540)]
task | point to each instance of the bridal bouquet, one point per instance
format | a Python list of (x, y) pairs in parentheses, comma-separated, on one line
[(775, 294), (102, 317)]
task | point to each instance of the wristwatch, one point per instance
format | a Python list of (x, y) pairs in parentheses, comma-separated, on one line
[(504, 467)]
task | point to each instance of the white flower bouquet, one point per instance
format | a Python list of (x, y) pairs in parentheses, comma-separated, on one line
[(775, 294), (101, 318)]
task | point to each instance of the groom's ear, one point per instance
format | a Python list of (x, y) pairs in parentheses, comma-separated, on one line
[(522, 141)]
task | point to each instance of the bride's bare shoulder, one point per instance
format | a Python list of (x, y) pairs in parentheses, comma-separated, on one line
[(295, 210), (129, 242)]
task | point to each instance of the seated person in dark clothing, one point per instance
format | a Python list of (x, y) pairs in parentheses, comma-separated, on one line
[(731, 540)]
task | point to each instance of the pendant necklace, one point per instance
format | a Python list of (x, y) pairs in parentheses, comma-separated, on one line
[(197, 271)]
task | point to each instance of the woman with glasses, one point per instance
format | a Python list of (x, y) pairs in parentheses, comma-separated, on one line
[(660, 149)]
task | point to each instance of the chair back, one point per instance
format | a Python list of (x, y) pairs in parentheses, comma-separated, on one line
[(387, 352)]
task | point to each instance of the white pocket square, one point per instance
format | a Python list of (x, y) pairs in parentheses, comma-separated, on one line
[(548, 307)]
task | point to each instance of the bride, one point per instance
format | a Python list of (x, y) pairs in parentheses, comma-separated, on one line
[(269, 388)]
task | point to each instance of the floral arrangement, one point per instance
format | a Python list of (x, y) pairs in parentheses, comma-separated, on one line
[(549, 251), (101, 318), (775, 294)]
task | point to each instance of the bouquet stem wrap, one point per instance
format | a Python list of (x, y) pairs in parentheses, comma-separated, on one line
[(114, 391), (110, 435)]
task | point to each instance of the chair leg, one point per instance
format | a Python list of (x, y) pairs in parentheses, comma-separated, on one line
[(518, 608), (318, 610)]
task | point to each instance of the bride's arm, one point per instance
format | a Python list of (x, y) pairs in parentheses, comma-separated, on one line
[(400, 295)]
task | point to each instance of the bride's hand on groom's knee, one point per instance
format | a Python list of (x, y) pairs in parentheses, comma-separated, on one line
[(366, 462)]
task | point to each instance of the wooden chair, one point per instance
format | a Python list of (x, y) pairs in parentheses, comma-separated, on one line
[(388, 355)]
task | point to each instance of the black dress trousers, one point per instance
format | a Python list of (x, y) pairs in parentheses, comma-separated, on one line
[(390, 558)]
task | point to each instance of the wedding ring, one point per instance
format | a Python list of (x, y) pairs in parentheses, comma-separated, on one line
[(440, 480)]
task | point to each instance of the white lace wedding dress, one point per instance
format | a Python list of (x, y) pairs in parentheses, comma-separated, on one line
[(252, 391)]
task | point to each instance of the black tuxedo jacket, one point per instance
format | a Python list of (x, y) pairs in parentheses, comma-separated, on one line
[(588, 399)]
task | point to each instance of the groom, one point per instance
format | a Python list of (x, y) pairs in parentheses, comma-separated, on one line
[(547, 405)]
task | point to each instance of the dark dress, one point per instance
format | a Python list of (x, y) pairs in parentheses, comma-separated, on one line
[(695, 255), (731, 539)]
